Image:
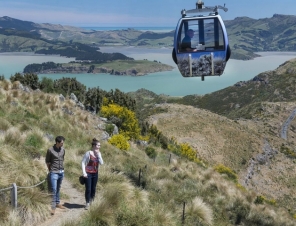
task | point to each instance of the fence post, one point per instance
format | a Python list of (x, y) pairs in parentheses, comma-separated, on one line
[(140, 177), (183, 216), (170, 159), (14, 196)]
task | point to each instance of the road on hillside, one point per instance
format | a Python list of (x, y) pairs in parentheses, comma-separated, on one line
[(287, 124)]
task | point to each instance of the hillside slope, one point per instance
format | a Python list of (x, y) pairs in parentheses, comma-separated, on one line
[(243, 99), (133, 189), (253, 148)]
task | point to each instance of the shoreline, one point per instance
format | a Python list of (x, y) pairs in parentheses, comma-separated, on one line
[(133, 50), (273, 53)]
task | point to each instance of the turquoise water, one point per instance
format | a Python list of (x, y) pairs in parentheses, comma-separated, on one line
[(170, 83)]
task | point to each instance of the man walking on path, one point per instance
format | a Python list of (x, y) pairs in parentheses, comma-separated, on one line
[(55, 164)]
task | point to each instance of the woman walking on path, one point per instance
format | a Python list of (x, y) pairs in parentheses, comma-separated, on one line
[(90, 166)]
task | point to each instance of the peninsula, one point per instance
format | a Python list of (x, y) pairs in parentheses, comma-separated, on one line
[(117, 67)]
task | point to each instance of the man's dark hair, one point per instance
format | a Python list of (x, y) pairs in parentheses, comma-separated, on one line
[(59, 139)]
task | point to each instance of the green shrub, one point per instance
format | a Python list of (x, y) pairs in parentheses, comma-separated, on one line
[(109, 128), (287, 151), (46, 85), (34, 140), (259, 199), (28, 79), (151, 152)]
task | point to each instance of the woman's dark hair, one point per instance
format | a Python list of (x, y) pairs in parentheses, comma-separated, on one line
[(95, 142), (59, 139)]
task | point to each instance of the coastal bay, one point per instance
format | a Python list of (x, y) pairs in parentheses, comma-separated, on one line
[(169, 82)]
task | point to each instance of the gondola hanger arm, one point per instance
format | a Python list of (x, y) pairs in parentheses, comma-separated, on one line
[(204, 9)]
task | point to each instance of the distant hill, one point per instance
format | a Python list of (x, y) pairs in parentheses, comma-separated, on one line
[(271, 86), (246, 36)]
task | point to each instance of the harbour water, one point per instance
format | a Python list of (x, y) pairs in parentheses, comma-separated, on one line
[(170, 82)]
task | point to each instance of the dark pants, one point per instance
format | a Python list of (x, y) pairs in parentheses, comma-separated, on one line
[(90, 186)]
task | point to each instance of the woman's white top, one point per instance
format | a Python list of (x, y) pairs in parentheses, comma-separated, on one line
[(86, 159)]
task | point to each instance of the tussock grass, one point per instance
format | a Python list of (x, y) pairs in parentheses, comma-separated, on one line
[(100, 213), (9, 98), (161, 216), (4, 124), (25, 126), (16, 93), (199, 212), (16, 85), (13, 137), (33, 205), (13, 219), (6, 85), (106, 175), (117, 192)]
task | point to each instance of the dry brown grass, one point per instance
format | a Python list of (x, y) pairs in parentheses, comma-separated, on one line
[(220, 140)]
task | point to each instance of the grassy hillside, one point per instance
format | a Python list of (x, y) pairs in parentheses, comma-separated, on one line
[(264, 162), (234, 101), (31, 120)]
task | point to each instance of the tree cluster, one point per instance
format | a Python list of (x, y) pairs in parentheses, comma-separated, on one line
[(89, 97), (31, 68)]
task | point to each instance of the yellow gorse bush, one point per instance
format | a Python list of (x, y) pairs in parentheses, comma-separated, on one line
[(130, 126), (119, 141), (220, 168), (187, 151)]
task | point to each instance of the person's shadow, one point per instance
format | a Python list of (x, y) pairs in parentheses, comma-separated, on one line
[(73, 205)]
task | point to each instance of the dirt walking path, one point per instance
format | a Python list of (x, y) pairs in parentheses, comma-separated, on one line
[(74, 206), (286, 124)]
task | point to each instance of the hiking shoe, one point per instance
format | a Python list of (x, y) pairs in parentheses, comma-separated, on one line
[(52, 211), (86, 206), (60, 206)]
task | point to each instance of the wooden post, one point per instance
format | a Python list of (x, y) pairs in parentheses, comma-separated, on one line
[(170, 159), (14, 196), (139, 181), (183, 216)]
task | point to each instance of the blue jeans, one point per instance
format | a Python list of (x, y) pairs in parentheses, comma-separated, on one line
[(90, 186), (56, 181)]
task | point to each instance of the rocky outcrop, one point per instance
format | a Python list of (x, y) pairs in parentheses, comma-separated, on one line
[(260, 159)]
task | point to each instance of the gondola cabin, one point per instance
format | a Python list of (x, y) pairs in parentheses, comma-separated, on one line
[(201, 45)]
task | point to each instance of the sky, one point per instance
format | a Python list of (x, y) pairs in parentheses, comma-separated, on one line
[(133, 13)]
